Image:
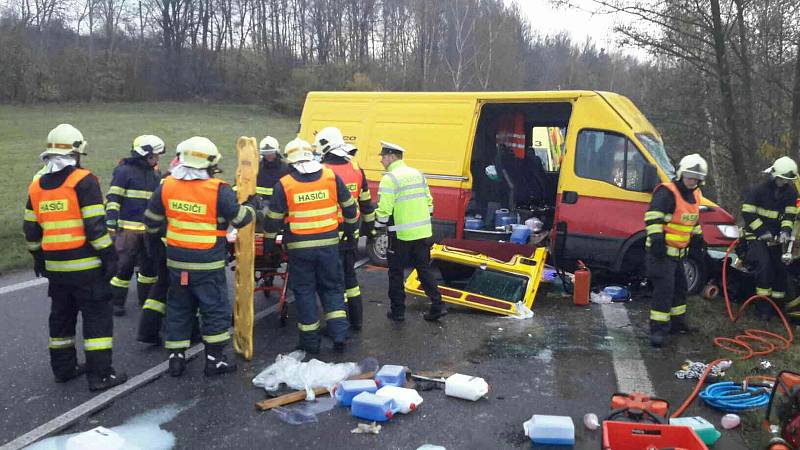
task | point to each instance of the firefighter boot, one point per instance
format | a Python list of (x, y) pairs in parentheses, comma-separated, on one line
[(355, 312), (678, 325), (177, 363), (149, 327), (216, 361), (101, 383), (79, 370), (435, 313), (658, 333)]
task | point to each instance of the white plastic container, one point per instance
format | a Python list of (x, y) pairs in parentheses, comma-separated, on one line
[(99, 438), (405, 399), (465, 386), (550, 430)]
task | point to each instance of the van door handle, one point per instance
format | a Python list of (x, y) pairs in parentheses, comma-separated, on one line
[(569, 197)]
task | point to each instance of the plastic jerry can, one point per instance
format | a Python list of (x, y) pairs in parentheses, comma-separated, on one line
[(406, 400), (369, 406), (473, 223), (550, 430), (344, 391), (390, 375), (520, 234), (583, 283), (703, 428), (465, 386)]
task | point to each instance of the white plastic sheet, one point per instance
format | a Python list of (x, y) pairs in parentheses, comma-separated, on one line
[(289, 370)]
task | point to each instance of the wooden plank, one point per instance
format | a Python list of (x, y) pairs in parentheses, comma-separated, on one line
[(246, 173), (297, 396)]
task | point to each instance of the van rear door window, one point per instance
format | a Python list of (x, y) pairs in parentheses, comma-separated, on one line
[(609, 157)]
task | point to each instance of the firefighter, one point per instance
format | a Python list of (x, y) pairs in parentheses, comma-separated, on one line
[(335, 156), (66, 233), (197, 209), (272, 167), (405, 206), (308, 199), (673, 230), (132, 183), (768, 211)]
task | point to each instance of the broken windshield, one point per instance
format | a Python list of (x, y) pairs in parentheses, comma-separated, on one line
[(659, 153)]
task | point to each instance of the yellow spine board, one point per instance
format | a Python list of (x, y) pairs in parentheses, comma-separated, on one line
[(530, 268), (246, 173)]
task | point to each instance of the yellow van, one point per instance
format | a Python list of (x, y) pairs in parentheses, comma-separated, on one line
[(477, 150)]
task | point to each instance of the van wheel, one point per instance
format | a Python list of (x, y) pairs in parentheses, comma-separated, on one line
[(376, 250), (696, 273)]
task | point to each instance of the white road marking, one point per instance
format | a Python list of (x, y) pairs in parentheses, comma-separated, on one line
[(104, 398), (23, 285), (627, 359)]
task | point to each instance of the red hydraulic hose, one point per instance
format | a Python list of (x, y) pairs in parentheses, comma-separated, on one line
[(742, 345)]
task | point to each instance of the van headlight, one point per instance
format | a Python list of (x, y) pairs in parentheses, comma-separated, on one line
[(729, 231)]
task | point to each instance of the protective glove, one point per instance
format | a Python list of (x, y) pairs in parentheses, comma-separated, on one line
[(784, 237), (109, 260), (254, 201), (697, 244), (765, 236), (111, 226), (658, 246), (38, 263)]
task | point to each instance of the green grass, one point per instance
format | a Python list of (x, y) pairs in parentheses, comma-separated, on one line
[(711, 320), (109, 130)]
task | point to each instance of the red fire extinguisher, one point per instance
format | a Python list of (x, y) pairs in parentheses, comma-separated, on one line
[(583, 284)]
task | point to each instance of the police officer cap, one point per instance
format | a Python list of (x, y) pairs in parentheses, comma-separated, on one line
[(389, 148)]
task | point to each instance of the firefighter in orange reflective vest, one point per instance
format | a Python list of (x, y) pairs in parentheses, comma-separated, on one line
[(336, 156), (308, 201), (66, 233), (197, 209), (673, 230)]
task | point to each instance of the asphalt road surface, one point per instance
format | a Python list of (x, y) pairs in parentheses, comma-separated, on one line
[(566, 360)]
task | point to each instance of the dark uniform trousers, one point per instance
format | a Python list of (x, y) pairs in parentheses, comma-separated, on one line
[(155, 305), (771, 275), (129, 245), (92, 301), (206, 290), (669, 290), (417, 254), (313, 272), (352, 290)]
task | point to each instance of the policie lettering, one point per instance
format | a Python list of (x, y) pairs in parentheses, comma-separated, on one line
[(187, 207), (53, 206), (313, 196)]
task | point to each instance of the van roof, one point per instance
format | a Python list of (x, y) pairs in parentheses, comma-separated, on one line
[(619, 103)]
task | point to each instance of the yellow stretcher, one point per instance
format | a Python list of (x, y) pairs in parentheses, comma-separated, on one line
[(493, 283)]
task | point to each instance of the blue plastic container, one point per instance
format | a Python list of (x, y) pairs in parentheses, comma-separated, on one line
[(369, 406), (345, 391), (473, 223), (617, 293), (502, 217), (520, 234), (550, 430), (390, 375)]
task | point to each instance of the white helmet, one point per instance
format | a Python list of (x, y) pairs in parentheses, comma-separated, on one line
[(783, 167), (330, 139), (269, 145), (64, 140), (198, 152), (298, 150), (351, 150), (146, 145), (692, 166)]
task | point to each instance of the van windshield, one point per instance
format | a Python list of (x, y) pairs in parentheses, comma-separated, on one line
[(659, 153)]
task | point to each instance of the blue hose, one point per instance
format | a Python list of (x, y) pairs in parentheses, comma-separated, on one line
[(728, 396)]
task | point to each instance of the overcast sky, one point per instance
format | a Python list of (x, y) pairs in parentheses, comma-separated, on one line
[(577, 21)]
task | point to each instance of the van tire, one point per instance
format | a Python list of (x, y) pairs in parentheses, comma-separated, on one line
[(696, 270), (376, 250)]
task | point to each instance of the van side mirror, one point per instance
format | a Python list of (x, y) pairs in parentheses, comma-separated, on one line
[(649, 178)]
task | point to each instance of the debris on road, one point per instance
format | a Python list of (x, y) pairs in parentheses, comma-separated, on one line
[(693, 370), (550, 430), (466, 387), (367, 428), (305, 412)]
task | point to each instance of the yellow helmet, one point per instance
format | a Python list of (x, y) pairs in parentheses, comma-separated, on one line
[(64, 140), (298, 150), (198, 152)]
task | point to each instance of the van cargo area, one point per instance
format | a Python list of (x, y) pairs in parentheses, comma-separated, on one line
[(514, 168)]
